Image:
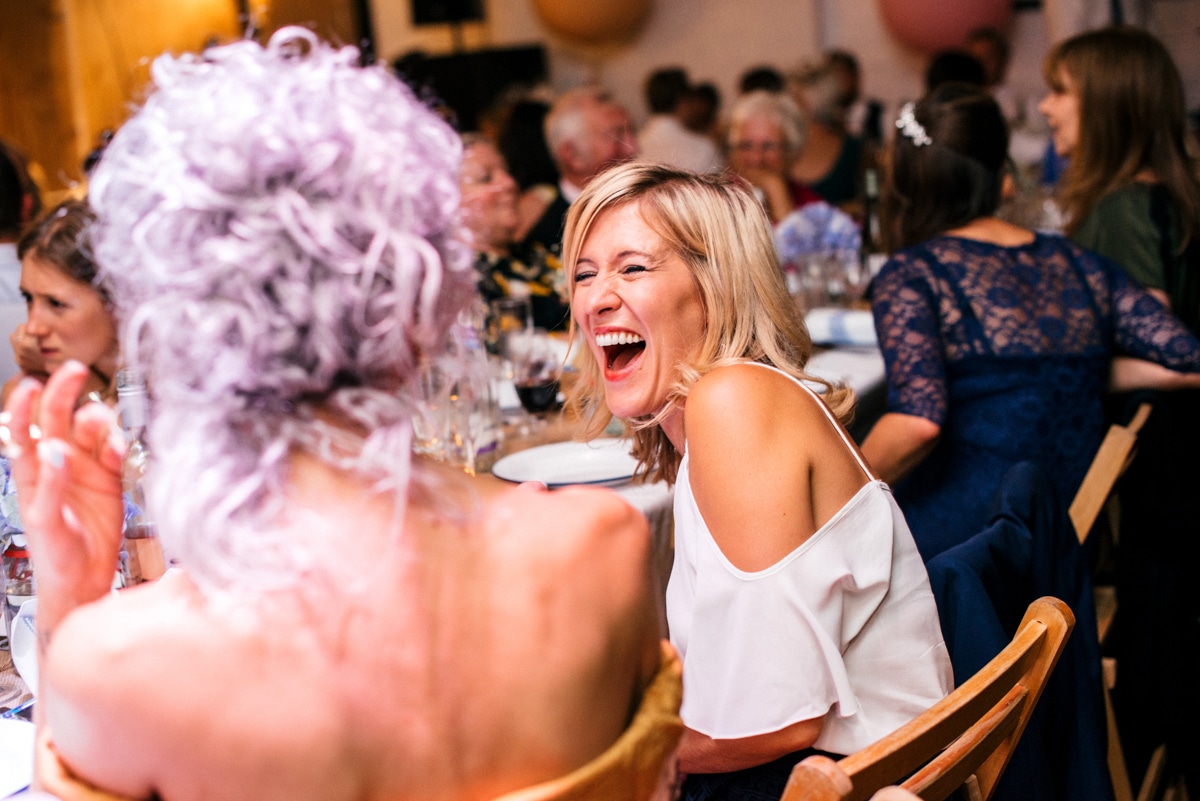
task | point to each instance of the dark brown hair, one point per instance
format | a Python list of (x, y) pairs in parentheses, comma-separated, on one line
[(60, 238), (953, 179), (1131, 118)]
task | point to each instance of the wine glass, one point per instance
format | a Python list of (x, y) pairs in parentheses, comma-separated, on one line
[(505, 316), (536, 370)]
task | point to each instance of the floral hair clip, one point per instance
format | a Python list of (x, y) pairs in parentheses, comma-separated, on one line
[(908, 125)]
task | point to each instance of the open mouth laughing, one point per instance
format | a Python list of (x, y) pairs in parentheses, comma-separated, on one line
[(621, 349)]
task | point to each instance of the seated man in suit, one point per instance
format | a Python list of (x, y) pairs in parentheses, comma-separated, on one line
[(586, 131)]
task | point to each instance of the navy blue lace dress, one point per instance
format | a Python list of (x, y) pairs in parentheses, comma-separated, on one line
[(1007, 350)]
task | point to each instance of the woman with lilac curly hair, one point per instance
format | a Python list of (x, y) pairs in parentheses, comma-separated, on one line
[(280, 230)]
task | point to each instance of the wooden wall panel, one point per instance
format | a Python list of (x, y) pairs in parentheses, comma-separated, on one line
[(35, 101), (71, 68), (333, 21)]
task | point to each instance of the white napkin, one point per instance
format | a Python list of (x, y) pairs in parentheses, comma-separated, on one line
[(23, 642), (833, 326), (16, 755), (862, 369)]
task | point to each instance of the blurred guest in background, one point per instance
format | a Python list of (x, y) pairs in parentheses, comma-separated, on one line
[(15, 206), (991, 49), (489, 209), (1027, 131), (763, 78), (861, 117), (280, 229), (1116, 109), (522, 143), (794, 634), (998, 341), (665, 138), (830, 162), (954, 66), (766, 132), (586, 131), (701, 110), (69, 316)]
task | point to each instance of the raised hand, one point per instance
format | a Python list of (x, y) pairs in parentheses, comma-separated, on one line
[(68, 488)]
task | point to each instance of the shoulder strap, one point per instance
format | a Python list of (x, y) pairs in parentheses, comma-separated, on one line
[(828, 413)]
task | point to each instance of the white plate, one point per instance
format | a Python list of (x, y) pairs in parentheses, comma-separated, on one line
[(23, 642), (601, 461)]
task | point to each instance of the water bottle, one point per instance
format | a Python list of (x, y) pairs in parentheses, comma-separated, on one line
[(19, 583), (142, 554)]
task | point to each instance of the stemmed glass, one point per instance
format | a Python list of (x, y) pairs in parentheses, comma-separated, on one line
[(505, 316), (536, 370)]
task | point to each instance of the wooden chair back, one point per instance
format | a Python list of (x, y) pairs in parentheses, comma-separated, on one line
[(1115, 454), (969, 733)]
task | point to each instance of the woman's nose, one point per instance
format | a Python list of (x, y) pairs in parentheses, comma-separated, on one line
[(36, 326), (602, 298)]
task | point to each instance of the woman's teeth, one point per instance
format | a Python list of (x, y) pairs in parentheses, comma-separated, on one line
[(621, 338)]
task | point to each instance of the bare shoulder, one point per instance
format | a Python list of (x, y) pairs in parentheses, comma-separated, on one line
[(131, 680), (590, 539), (763, 448), (751, 405)]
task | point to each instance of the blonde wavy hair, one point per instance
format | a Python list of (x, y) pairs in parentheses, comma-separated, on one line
[(720, 231)]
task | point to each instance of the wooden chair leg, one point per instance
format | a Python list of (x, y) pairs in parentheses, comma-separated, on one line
[(1122, 787), (1154, 775)]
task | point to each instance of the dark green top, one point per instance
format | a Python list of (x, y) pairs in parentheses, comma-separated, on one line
[(840, 184), (1128, 227)]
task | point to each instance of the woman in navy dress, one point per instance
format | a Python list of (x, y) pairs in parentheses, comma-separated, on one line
[(998, 340)]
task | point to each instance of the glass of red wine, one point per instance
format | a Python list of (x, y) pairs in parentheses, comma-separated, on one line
[(536, 370)]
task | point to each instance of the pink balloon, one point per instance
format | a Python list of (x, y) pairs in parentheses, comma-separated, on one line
[(933, 25)]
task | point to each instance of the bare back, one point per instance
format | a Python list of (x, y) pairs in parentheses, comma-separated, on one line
[(484, 652)]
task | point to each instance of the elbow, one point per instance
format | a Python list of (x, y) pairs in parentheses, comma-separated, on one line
[(898, 443), (699, 753)]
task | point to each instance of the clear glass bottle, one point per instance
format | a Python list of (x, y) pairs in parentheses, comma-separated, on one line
[(873, 254), (140, 560), (19, 582)]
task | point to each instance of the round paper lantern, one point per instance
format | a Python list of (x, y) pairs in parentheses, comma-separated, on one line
[(933, 25), (592, 20)]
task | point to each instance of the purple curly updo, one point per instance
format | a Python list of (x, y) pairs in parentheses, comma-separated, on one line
[(279, 231)]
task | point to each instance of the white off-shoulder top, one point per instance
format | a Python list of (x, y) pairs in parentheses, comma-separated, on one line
[(845, 624)]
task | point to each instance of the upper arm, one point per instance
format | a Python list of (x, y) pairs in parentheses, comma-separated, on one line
[(908, 325), (751, 476), (1146, 329), (102, 701)]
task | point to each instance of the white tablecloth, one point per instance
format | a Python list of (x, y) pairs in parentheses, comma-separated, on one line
[(656, 502), (861, 368)]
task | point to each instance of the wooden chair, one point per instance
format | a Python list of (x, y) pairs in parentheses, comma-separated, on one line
[(964, 739), (1110, 462), (894, 793)]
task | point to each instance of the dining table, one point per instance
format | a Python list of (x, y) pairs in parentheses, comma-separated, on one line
[(844, 353), (653, 499)]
